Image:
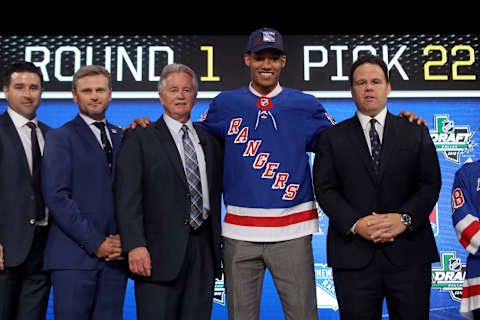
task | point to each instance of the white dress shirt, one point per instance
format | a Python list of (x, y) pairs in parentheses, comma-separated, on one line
[(24, 131), (175, 128), (96, 131)]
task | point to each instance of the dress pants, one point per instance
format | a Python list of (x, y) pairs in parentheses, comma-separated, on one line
[(190, 295), (25, 289), (360, 292), (90, 294), (291, 266)]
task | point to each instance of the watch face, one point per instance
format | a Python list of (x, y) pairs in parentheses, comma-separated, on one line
[(406, 219)]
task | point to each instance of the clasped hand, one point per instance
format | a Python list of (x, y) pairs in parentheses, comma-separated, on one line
[(380, 227), (110, 249)]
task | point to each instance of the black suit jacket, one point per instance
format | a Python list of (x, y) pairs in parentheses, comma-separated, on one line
[(152, 197), (347, 189), (17, 197)]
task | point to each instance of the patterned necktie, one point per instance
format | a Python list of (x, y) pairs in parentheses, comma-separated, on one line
[(193, 179), (107, 147), (376, 146), (36, 158)]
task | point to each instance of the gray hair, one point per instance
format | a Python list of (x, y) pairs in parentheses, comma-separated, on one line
[(176, 68), (91, 70)]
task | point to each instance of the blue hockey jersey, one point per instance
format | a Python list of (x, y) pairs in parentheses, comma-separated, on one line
[(267, 177), (466, 214)]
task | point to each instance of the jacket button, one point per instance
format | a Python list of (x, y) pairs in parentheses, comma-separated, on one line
[(32, 221), (186, 221)]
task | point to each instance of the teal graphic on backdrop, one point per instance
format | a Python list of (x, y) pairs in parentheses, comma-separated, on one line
[(450, 139), (450, 275)]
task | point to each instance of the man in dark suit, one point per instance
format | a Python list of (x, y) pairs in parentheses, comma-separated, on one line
[(168, 197), (377, 178), (24, 287), (83, 249)]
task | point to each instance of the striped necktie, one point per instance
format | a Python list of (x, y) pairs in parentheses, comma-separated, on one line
[(193, 178)]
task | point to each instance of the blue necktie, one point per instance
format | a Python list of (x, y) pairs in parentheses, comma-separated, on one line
[(193, 179), (376, 146)]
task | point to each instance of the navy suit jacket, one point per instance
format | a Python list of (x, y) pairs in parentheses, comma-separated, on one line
[(17, 198), (77, 188)]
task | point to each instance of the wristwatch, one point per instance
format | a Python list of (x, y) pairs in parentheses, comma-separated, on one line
[(406, 220)]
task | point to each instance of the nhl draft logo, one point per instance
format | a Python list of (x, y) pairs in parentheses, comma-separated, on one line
[(450, 139), (450, 275), (326, 296)]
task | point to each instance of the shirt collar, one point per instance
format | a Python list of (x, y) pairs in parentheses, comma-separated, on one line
[(89, 120), (176, 126), (272, 93), (364, 119), (19, 120)]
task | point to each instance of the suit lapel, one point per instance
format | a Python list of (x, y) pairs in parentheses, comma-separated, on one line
[(115, 136), (207, 153), (86, 133), (168, 144), (8, 128), (357, 137), (44, 128)]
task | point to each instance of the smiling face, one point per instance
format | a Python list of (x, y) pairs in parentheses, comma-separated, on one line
[(370, 89), (178, 96), (92, 94), (23, 93), (265, 67)]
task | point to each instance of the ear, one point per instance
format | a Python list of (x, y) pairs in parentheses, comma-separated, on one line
[(247, 58), (283, 59), (74, 94), (161, 98)]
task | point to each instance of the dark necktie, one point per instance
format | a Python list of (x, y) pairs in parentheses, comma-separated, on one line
[(107, 147), (193, 178), (36, 159), (375, 144)]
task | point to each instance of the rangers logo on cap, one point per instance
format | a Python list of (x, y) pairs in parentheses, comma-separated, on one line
[(268, 36)]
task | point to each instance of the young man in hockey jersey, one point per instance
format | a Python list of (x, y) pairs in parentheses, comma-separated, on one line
[(270, 208), (466, 213)]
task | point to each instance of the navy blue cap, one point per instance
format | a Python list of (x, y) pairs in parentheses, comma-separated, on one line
[(264, 39)]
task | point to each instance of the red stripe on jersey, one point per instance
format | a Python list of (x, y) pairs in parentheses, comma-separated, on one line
[(469, 232), (470, 291), (250, 221)]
